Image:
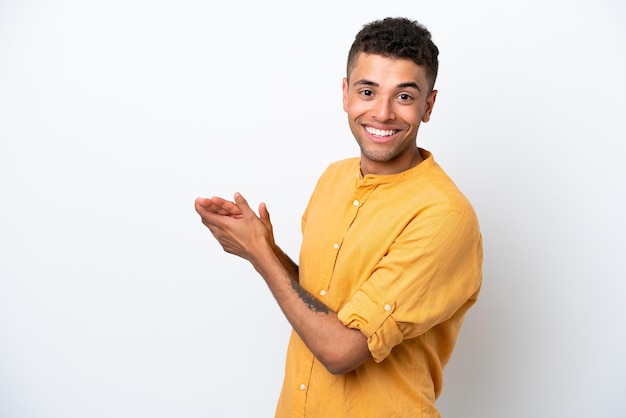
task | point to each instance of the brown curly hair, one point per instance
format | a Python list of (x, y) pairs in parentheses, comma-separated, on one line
[(397, 37)]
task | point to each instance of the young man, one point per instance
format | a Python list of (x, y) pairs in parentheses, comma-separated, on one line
[(391, 253)]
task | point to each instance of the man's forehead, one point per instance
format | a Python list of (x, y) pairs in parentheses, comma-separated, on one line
[(380, 69)]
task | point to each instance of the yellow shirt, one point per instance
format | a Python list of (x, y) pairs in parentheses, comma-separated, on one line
[(398, 257)]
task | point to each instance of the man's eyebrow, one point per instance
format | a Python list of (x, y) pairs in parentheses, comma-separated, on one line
[(364, 82), (408, 84)]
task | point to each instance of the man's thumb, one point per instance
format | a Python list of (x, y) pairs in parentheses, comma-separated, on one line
[(263, 212)]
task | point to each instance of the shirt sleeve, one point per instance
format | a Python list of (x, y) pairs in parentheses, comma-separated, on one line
[(430, 272)]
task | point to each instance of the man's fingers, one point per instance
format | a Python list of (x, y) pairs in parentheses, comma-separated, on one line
[(202, 202), (207, 205), (218, 206), (226, 207), (208, 215), (201, 205), (242, 204)]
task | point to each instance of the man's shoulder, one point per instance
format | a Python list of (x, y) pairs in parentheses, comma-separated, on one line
[(337, 175), (350, 162), (342, 167)]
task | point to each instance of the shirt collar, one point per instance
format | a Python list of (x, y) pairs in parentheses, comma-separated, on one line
[(426, 164)]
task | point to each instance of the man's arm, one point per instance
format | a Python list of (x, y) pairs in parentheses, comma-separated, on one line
[(339, 348), (290, 266)]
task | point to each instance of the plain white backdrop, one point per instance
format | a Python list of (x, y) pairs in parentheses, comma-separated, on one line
[(114, 115)]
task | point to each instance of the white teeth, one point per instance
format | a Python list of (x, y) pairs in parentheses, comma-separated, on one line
[(379, 132)]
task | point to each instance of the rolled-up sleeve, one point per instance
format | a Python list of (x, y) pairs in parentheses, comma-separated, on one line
[(422, 281), (374, 320)]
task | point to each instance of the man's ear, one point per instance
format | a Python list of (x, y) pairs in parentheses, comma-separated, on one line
[(344, 88), (430, 103)]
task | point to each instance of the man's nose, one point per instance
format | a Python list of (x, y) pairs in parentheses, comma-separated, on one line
[(383, 109)]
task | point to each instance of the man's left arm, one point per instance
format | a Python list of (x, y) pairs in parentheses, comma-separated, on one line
[(241, 232)]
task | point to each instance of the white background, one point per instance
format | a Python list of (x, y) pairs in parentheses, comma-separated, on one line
[(114, 115)]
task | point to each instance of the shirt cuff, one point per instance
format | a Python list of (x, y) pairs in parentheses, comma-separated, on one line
[(374, 319)]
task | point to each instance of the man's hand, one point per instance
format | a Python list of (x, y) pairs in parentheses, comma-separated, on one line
[(236, 227)]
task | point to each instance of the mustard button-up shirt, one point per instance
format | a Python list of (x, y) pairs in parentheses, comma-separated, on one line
[(398, 257)]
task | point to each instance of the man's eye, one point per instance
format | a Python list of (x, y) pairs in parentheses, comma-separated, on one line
[(367, 92), (405, 96)]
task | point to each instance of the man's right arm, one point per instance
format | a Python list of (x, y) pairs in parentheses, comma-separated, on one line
[(290, 266), (242, 233)]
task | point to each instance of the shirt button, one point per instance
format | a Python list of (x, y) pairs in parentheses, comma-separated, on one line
[(335, 246), (355, 203), (387, 307), (302, 386), (322, 292)]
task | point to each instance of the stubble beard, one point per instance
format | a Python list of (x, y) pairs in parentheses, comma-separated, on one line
[(382, 154)]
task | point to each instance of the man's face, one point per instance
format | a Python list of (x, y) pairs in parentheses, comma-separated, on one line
[(386, 99)]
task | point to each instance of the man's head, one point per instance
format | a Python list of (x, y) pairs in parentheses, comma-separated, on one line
[(389, 91), (397, 38)]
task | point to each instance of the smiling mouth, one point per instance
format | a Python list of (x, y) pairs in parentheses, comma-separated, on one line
[(381, 133)]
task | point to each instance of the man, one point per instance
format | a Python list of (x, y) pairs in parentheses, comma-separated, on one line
[(391, 255)]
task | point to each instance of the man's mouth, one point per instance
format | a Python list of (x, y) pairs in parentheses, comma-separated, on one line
[(382, 133)]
